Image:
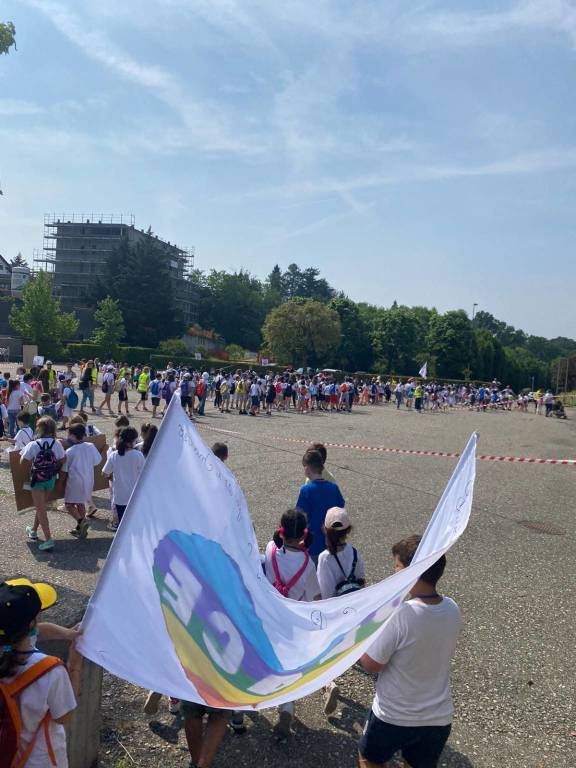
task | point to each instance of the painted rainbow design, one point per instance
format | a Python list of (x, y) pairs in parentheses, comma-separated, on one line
[(219, 638)]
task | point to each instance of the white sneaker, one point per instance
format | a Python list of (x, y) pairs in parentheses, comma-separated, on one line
[(331, 693), (31, 533)]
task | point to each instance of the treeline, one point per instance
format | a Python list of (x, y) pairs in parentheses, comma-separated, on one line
[(396, 339)]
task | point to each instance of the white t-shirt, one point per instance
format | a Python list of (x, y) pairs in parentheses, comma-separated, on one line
[(125, 470), (416, 646), (52, 692), (329, 574), (81, 459), (289, 563), (109, 379), (33, 448), (23, 437), (17, 400)]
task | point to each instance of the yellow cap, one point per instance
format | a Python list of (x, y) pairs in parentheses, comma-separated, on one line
[(47, 594)]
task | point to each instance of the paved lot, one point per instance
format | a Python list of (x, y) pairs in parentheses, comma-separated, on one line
[(513, 678)]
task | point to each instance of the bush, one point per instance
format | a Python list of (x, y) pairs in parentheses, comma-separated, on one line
[(175, 347), (235, 352)]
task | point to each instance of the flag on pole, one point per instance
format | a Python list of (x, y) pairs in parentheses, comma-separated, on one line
[(423, 372), (184, 608)]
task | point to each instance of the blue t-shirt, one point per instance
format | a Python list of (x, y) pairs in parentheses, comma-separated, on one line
[(315, 499)]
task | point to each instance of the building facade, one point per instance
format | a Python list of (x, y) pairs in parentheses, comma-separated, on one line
[(77, 247)]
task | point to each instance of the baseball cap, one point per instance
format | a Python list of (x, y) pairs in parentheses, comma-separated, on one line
[(337, 519), (20, 602)]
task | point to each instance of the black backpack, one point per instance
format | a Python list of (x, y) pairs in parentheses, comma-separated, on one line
[(45, 466), (350, 583)]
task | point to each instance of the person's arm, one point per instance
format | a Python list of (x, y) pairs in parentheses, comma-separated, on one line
[(48, 631), (302, 502), (369, 665)]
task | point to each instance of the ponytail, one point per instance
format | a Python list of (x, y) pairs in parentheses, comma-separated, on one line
[(9, 658), (335, 537), (127, 437), (293, 526)]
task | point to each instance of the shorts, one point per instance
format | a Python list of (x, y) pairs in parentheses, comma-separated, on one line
[(123, 396), (155, 401), (185, 401), (255, 401), (421, 746), (45, 485), (334, 399), (192, 711), (143, 395)]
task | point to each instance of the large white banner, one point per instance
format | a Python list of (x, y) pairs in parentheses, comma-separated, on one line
[(183, 607)]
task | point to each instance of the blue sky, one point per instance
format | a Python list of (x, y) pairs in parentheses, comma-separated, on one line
[(422, 152)]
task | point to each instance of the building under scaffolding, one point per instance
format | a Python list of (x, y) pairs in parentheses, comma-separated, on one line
[(77, 247)]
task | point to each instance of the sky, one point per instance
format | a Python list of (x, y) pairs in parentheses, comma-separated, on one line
[(416, 151)]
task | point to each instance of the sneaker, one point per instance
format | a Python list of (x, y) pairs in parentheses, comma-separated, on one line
[(83, 527), (173, 706), (112, 526), (46, 546), (92, 509), (31, 533), (283, 727), (152, 702), (331, 699), (237, 723)]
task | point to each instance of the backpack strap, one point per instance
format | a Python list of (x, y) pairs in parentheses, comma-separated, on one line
[(352, 573), (275, 564), (11, 690), (297, 576)]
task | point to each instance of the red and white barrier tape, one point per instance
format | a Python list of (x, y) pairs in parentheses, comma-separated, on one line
[(407, 451)]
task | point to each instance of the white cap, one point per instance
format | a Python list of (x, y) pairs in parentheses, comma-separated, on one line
[(337, 519)]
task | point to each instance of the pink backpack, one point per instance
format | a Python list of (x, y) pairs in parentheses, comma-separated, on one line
[(278, 584)]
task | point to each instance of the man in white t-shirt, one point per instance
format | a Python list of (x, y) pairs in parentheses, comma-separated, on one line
[(412, 709)]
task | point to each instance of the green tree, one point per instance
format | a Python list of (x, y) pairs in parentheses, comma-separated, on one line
[(40, 319), (355, 350), (18, 261), (138, 277), (110, 328), (397, 339), (302, 332), (7, 36), (450, 339), (235, 352)]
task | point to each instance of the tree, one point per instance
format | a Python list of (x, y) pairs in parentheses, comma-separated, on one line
[(39, 317), (303, 332), (396, 340), (110, 328), (235, 352), (138, 277), (18, 261), (355, 350), (7, 36), (450, 339)]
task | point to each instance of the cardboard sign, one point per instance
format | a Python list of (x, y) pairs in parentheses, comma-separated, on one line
[(197, 355), (264, 361), (38, 360), (21, 476)]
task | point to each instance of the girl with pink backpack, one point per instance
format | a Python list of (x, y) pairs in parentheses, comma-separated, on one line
[(290, 569)]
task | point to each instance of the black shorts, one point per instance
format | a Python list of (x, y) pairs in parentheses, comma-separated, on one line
[(143, 395), (155, 401), (123, 396), (185, 401), (420, 746), (192, 711)]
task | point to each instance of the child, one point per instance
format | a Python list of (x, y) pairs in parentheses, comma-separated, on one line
[(38, 685), (168, 389), (316, 497), (47, 407), (16, 401), (91, 431), (25, 432), (122, 386), (124, 466), (155, 391), (81, 458), (326, 474), (340, 571), (289, 567), (224, 396), (254, 397), (43, 458), (221, 451), (148, 434), (3, 419), (68, 400)]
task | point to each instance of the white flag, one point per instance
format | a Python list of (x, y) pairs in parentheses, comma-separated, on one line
[(184, 608), (423, 372)]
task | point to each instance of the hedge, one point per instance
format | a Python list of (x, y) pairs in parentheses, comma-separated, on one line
[(130, 355)]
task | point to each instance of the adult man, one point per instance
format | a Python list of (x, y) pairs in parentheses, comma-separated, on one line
[(412, 709)]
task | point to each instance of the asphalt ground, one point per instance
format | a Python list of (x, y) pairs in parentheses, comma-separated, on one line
[(513, 679)]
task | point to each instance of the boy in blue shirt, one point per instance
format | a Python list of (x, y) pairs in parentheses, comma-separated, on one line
[(316, 497)]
